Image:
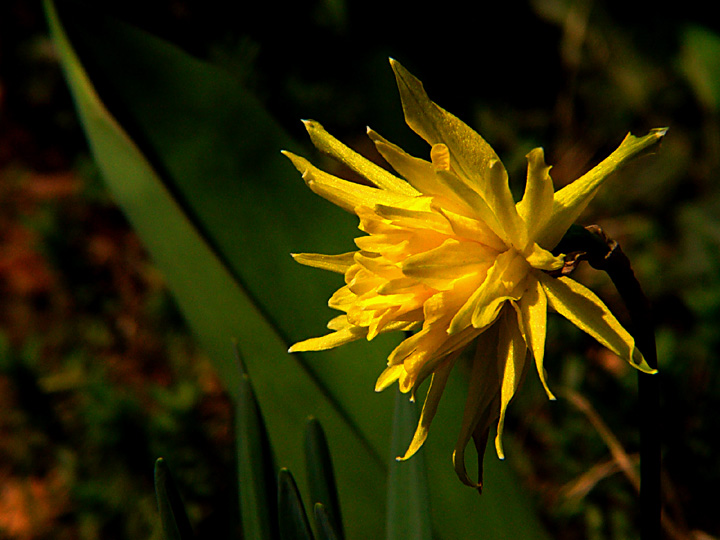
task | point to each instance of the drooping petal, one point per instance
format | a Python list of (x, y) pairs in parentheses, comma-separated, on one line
[(432, 400), (533, 325), (511, 357), (364, 167), (571, 200), (346, 195), (585, 310), (535, 208), (482, 391), (334, 263)]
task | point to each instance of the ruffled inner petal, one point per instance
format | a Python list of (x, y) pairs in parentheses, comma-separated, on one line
[(501, 283)]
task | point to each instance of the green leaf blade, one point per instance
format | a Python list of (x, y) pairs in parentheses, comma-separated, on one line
[(173, 516), (408, 499)]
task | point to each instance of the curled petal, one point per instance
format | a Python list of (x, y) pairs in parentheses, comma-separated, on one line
[(542, 259), (537, 203), (501, 284)]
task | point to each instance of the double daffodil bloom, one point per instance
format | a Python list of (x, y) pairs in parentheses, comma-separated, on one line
[(449, 255)]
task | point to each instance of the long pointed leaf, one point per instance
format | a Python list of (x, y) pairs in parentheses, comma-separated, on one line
[(294, 524), (216, 210), (321, 475), (173, 516), (256, 466), (215, 305)]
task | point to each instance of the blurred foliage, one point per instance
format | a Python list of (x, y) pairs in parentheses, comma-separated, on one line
[(98, 375)]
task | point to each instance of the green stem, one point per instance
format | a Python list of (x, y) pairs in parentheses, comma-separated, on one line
[(605, 254)]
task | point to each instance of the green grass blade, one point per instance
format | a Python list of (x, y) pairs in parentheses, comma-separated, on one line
[(324, 525), (294, 524), (256, 467), (408, 501), (173, 517), (321, 475)]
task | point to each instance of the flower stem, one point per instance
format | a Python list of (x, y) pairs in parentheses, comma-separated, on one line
[(603, 253)]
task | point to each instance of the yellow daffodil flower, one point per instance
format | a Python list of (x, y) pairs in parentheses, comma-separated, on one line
[(450, 255)]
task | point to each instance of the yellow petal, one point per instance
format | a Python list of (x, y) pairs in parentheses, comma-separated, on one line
[(500, 284), (585, 310), (536, 205), (512, 353), (342, 299), (453, 259), (470, 155), (346, 195), (334, 263), (542, 259), (533, 313), (571, 200), (388, 376), (432, 400), (500, 200), (413, 220), (473, 229), (330, 341), (418, 172), (364, 167)]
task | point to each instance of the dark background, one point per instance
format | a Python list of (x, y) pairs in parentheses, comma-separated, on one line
[(98, 375)]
